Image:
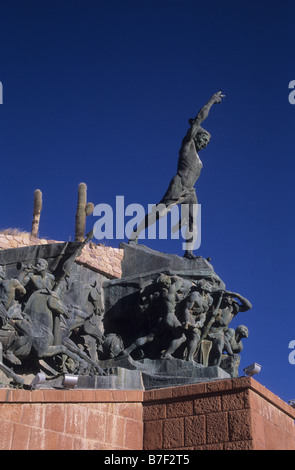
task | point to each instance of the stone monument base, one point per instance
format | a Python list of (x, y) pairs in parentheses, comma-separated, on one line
[(228, 414), (124, 373)]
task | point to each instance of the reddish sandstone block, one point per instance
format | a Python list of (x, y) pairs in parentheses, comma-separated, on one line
[(247, 398), (64, 442), (88, 444), (21, 396), (119, 395), (290, 426), (20, 437), (276, 439), (96, 425), (188, 390), (255, 401), (54, 419), (52, 396), (173, 433), (133, 435), (163, 393), (4, 395), (71, 396), (258, 429), (217, 428), (105, 407), (148, 396), (103, 396), (114, 430), (154, 412), (194, 430), (10, 412), (219, 386), (88, 396), (233, 401), (239, 445), (129, 410), (290, 441), (265, 408), (205, 405), (273, 439), (134, 395), (210, 447), (240, 428), (180, 408), (242, 382), (75, 420), (37, 396), (196, 389), (277, 417), (6, 432), (32, 415), (180, 391), (153, 435), (41, 439)]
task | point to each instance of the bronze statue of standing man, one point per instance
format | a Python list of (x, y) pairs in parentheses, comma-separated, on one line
[(181, 188)]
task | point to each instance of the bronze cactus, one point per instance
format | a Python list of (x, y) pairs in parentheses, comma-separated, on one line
[(83, 209), (36, 213)]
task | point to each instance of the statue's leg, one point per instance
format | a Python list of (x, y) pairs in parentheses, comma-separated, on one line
[(139, 343), (158, 211), (71, 346), (174, 345), (9, 373), (21, 347), (193, 344), (76, 356), (216, 352), (191, 233)]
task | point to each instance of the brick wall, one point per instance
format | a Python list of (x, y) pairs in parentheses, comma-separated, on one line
[(231, 414), (70, 420), (235, 414), (99, 258)]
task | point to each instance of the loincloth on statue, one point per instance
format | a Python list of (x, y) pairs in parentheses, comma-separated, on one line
[(175, 193)]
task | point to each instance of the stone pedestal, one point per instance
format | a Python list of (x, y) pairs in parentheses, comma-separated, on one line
[(234, 414), (228, 414)]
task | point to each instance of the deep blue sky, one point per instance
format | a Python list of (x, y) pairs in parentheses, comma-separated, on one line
[(100, 91)]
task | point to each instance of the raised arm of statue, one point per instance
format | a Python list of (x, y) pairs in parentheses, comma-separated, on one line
[(203, 114), (245, 304)]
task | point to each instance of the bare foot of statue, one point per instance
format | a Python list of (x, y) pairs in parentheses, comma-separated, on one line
[(12, 358), (132, 241), (190, 255), (167, 356)]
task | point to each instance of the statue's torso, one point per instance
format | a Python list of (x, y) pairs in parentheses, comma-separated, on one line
[(189, 164)]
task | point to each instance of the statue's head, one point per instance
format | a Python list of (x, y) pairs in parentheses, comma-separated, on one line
[(164, 280), (243, 331), (41, 264), (202, 139), (228, 301)]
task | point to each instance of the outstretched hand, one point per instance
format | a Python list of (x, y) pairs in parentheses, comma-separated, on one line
[(217, 97)]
